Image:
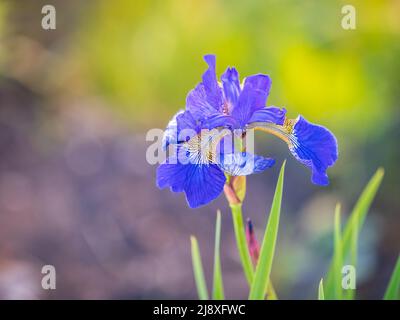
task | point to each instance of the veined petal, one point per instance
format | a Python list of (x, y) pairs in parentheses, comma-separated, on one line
[(311, 144), (244, 163), (261, 84), (252, 98), (231, 85), (210, 81), (219, 120), (202, 183), (187, 126), (171, 132), (269, 114), (315, 147), (206, 98), (171, 175)]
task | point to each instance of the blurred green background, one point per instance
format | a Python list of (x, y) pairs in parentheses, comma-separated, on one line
[(76, 102)]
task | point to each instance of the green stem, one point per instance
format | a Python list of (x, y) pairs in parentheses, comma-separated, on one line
[(244, 250)]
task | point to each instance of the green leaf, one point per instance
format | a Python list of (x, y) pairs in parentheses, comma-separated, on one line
[(198, 270), (393, 289), (218, 288), (264, 265), (337, 255), (353, 227), (241, 243), (350, 293), (321, 295)]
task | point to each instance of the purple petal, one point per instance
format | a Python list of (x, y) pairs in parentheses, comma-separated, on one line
[(171, 132), (252, 98), (261, 84), (187, 126), (204, 184), (269, 114), (244, 163), (206, 98), (201, 183), (231, 85), (314, 146), (219, 120)]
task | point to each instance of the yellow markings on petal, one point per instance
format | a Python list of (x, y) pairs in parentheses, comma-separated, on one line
[(283, 132), (203, 147), (274, 132)]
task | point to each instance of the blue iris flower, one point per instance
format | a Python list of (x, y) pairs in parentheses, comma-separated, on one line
[(198, 166), (195, 167)]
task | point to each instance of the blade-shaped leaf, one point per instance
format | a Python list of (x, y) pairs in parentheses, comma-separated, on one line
[(350, 293), (321, 295), (264, 265), (393, 289), (218, 288), (353, 226), (198, 270), (337, 255)]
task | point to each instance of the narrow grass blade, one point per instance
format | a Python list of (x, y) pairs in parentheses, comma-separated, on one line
[(337, 256), (241, 242), (198, 270), (393, 289), (321, 295), (354, 225), (264, 265), (218, 288), (350, 293)]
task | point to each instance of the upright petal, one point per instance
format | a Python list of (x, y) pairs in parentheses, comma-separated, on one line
[(315, 147), (231, 85), (252, 98), (261, 84), (206, 98), (244, 163), (210, 81), (269, 114), (219, 120)]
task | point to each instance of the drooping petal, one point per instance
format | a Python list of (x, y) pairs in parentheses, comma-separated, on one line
[(171, 132), (244, 163), (269, 114), (252, 98), (171, 175), (231, 85), (201, 181), (315, 147), (206, 99), (204, 184)]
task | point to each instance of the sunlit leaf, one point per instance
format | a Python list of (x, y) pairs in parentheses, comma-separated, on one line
[(393, 289), (218, 288), (337, 255), (198, 270), (353, 227), (264, 265), (321, 295)]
